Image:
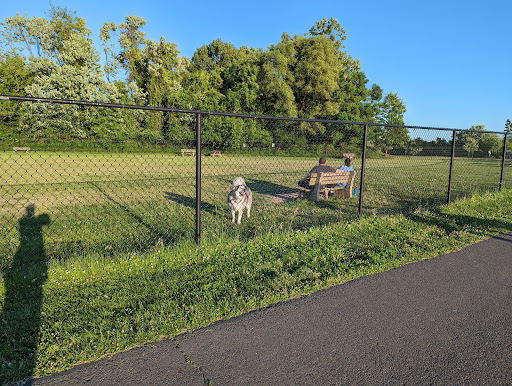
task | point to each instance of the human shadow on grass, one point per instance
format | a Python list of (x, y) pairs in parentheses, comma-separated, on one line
[(20, 318)]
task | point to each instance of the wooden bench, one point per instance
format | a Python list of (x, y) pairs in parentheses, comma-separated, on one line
[(21, 149), (188, 151), (318, 182), (216, 154), (349, 155)]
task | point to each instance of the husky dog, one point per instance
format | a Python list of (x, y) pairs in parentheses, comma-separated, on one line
[(240, 198)]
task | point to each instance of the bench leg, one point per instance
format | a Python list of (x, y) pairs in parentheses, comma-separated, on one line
[(315, 194)]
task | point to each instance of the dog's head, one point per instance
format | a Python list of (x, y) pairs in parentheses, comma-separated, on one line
[(238, 181), (239, 186)]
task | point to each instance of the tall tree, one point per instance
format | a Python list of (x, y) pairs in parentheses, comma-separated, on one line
[(42, 37), (316, 77), (331, 29), (357, 103), (131, 40), (508, 126), (508, 129), (214, 56), (392, 113), (471, 145), (491, 143), (14, 78), (14, 75), (63, 64), (276, 78)]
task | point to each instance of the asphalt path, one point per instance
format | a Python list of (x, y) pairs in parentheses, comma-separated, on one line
[(442, 321)]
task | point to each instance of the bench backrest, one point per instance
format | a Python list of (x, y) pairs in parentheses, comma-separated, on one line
[(333, 178)]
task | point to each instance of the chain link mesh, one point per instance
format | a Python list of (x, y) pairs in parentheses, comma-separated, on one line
[(107, 191)]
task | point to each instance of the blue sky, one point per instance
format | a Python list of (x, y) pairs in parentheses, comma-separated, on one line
[(450, 61)]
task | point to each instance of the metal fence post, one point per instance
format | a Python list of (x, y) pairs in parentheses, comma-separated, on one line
[(363, 168), (503, 160), (451, 169), (198, 180)]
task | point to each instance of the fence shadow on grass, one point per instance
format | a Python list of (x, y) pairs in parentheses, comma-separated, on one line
[(21, 313), (504, 239), (266, 187), (190, 202), (165, 238), (453, 222)]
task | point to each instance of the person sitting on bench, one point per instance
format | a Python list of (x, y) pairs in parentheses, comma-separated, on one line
[(322, 167), (345, 168)]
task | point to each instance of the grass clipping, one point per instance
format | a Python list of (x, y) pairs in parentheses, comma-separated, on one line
[(95, 306)]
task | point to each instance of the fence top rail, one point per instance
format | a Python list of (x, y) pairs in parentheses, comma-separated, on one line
[(202, 112)]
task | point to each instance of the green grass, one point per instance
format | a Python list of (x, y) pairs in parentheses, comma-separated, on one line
[(56, 313), (116, 203)]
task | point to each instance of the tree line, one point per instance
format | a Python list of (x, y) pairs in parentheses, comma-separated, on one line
[(476, 142), (305, 76)]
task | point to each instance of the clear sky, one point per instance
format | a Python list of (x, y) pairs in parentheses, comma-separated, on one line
[(450, 61)]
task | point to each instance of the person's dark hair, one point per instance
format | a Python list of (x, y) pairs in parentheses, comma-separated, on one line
[(347, 161), (322, 160)]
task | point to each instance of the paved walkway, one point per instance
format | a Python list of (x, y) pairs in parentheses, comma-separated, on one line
[(441, 321)]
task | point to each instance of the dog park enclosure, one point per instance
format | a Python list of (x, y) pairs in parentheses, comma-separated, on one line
[(113, 200)]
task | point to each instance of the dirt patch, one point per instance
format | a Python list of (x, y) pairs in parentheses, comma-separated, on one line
[(279, 198)]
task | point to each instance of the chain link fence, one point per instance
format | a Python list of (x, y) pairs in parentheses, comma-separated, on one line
[(100, 179)]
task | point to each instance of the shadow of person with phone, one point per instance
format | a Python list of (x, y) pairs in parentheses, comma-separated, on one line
[(20, 317)]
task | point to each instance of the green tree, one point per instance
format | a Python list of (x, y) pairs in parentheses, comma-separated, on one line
[(471, 145), (475, 131), (14, 77), (155, 75), (235, 71), (415, 146), (331, 29), (42, 37), (299, 78), (240, 86), (316, 77), (357, 103), (63, 64), (392, 113), (70, 81), (491, 143), (215, 56), (276, 79), (508, 129), (131, 40)]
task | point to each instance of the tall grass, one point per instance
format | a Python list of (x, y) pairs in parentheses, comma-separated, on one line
[(56, 313)]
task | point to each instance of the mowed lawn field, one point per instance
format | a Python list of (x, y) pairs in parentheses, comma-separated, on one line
[(114, 202)]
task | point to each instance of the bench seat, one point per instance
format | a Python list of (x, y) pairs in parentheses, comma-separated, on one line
[(21, 149)]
